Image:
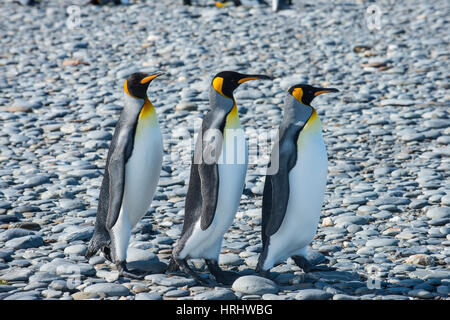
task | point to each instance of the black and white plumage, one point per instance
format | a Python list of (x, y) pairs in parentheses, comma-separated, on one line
[(293, 194), (132, 172), (217, 179)]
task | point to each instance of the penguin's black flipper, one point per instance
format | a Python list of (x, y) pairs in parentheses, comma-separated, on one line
[(208, 170), (209, 175), (116, 171), (285, 155), (203, 190), (120, 151)]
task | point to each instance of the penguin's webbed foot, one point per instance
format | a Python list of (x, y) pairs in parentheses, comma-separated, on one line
[(307, 266), (221, 276), (185, 268), (124, 272), (264, 273), (107, 252)]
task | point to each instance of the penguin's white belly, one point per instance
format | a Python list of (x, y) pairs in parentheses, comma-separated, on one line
[(307, 182), (207, 243), (142, 173)]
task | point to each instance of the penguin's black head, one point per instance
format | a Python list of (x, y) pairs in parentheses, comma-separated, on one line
[(305, 93), (226, 82), (136, 84)]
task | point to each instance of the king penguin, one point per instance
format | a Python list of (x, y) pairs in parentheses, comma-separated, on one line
[(293, 194), (217, 177), (133, 166)]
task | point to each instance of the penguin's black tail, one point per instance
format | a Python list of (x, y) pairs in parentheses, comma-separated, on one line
[(100, 241)]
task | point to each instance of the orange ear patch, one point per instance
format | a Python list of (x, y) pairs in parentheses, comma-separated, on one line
[(298, 94)]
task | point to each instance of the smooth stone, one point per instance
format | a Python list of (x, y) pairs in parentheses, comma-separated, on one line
[(177, 293), (313, 294), (74, 233), (25, 295), (148, 296), (344, 297), (69, 204), (43, 277), (381, 242), (37, 180), (254, 285), (443, 290), (420, 293), (418, 204), (6, 288), (6, 254), (85, 295), (347, 220), (77, 249), (50, 293), (61, 266), (25, 242), (144, 260), (438, 213), (109, 289), (175, 281), (97, 260), (17, 274), (14, 233), (216, 294), (109, 276), (59, 285), (231, 259)]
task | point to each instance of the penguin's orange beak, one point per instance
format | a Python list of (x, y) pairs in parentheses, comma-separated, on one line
[(150, 78), (254, 77), (324, 90)]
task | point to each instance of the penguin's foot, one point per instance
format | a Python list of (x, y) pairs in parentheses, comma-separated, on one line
[(184, 267), (221, 276), (173, 266), (107, 253), (124, 272), (307, 266), (264, 273)]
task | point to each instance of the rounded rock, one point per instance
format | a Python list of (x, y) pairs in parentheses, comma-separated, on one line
[(251, 285)]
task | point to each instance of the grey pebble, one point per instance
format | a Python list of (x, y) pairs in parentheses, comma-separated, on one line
[(254, 285), (109, 289), (216, 294), (438, 213), (381, 242), (175, 281), (313, 294), (148, 296), (31, 241)]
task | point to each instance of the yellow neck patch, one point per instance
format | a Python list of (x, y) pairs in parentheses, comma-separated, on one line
[(298, 94), (313, 126), (313, 123), (147, 111), (232, 121)]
